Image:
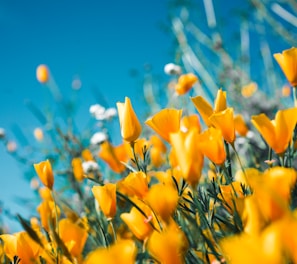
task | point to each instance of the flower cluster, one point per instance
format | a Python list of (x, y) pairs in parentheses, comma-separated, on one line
[(176, 190)]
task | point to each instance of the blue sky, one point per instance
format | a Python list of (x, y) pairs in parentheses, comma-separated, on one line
[(100, 41)]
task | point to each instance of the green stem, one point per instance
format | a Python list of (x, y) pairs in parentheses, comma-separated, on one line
[(113, 230), (295, 95), (135, 157), (229, 166)]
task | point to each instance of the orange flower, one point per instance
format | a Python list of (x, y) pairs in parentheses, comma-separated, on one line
[(135, 183), (77, 168), (21, 245), (249, 89), (163, 200), (113, 156), (138, 223), (185, 83), (272, 190), (73, 236), (277, 133), (240, 125), (47, 212), (168, 246), (206, 110), (45, 173), (42, 73), (188, 155), (157, 151), (130, 125), (224, 121), (211, 144), (287, 60), (190, 121), (123, 252), (87, 155), (106, 198), (165, 122)]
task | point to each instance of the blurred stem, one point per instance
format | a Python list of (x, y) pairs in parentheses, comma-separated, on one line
[(240, 163), (295, 95), (134, 155), (57, 225), (113, 230), (228, 165)]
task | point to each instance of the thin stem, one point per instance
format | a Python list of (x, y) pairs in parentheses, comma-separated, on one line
[(134, 155), (295, 95), (113, 230)]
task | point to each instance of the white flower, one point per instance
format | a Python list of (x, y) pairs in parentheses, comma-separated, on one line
[(110, 113), (98, 138), (172, 69), (89, 166), (96, 109)]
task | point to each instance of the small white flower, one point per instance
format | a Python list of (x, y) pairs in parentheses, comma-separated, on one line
[(96, 109), (89, 166), (110, 113), (98, 138), (172, 69)]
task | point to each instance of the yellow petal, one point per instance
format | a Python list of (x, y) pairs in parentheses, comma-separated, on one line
[(266, 129), (285, 122), (130, 125), (287, 60), (71, 232), (137, 223), (203, 107), (224, 121), (165, 122), (45, 173), (220, 102), (106, 198)]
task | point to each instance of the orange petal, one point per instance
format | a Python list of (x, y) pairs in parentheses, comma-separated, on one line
[(165, 122)]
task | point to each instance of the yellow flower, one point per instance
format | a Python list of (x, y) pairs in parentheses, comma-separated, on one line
[(73, 236), (246, 249), (138, 224), (287, 60), (113, 156), (165, 122), (135, 183), (185, 83), (123, 252), (224, 121), (106, 198), (77, 168), (206, 110), (87, 155), (190, 121), (188, 155), (45, 173), (277, 133), (240, 125), (21, 245), (211, 144), (47, 214), (163, 200), (157, 151), (168, 246), (249, 89), (42, 73), (130, 125)]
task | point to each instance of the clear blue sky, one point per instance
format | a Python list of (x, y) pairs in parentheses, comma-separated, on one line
[(98, 40)]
